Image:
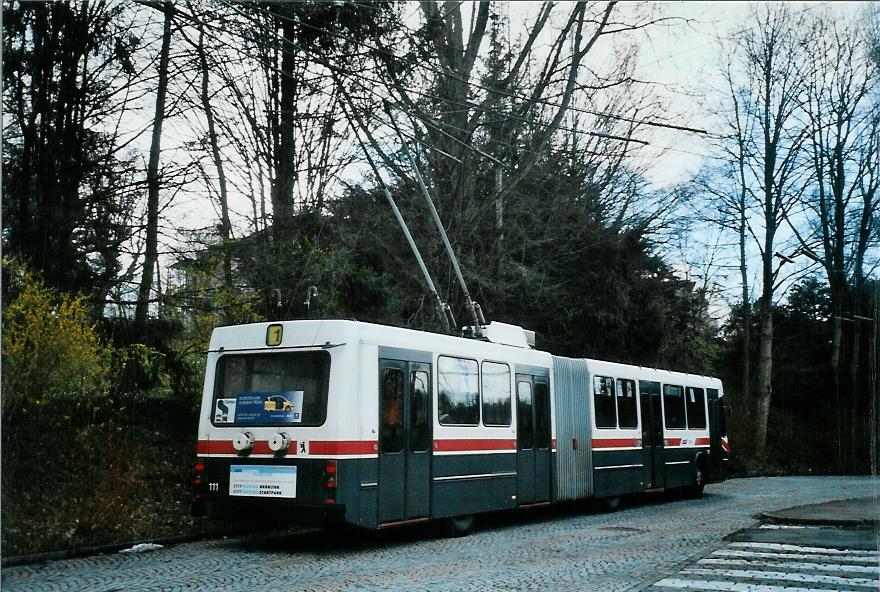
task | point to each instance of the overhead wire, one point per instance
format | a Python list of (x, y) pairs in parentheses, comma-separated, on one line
[(468, 105), (372, 90), (472, 105), (471, 83), (359, 76)]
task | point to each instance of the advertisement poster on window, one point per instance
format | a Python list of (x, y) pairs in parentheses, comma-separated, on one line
[(260, 408)]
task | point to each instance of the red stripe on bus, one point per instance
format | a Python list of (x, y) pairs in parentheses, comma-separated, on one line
[(465, 445), (215, 447), (725, 446), (678, 442), (225, 447), (343, 447), (616, 443)]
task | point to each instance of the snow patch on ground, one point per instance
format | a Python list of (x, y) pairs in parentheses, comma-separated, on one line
[(142, 548)]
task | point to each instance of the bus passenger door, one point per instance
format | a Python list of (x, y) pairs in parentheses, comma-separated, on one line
[(542, 438), (716, 430), (652, 434), (533, 439), (525, 441), (404, 440), (418, 448)]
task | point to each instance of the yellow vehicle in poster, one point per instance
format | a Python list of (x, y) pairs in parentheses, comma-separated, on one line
[(277, 403)]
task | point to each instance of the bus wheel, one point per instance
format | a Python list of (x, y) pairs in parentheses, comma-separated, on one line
[(696, 490), (458, 527), (611, 504)]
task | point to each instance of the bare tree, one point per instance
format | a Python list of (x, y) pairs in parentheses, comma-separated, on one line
[(151, 251), (841, 113), (501, 114), (205, 97), (770, 57), (731, 190)]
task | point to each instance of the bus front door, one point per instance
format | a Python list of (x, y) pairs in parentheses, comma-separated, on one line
[(404, 440), (533, 439), (716, 431), (654, 458)]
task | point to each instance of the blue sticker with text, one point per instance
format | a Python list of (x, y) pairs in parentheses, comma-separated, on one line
[(269, 407)]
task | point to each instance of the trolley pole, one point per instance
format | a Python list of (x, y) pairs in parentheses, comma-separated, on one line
[(442, 308), (474, 308)]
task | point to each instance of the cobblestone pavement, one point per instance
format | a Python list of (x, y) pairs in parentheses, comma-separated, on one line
[(778, 565), (570, 547)]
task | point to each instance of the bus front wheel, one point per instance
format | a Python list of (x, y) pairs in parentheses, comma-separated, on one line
[(459, 526)]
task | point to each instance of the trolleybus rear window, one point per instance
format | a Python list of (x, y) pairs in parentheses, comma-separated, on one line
[(288, 388)]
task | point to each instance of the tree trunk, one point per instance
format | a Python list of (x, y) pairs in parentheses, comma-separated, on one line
[(151, 254), (874, 379), (745, 377), (855, 389), (225, 224), (836, 338), (763, 387), (282, 189)]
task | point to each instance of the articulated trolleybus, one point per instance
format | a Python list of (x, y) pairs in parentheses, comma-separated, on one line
[(335, 421)]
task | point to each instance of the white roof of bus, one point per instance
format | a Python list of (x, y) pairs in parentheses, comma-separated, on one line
[(318, 332), (644, 372)]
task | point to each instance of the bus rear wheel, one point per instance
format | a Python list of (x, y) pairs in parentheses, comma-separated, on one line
[(458, 526), (695, 491), (611, 504)]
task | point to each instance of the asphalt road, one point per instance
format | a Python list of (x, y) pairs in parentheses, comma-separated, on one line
[(572, 547)]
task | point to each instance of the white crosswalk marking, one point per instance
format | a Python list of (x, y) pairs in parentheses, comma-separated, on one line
[(733, 586), (753, 574), (865, 569), (801, 549), (815, 557), (779, 567)]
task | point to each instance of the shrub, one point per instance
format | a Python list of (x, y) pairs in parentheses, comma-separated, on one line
[(51, 351)]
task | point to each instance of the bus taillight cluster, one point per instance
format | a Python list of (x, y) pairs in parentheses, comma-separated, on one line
[(198, 490), (330, 471)]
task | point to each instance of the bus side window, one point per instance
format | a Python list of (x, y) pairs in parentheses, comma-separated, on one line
[(458, 399), (392, 410), (496, 394), (695, 401), (673, 406), (603, 402), (627, 402)]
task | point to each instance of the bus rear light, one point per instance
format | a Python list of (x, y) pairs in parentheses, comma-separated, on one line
[(197, 482), (330, 501), (200, 466), (330, 470)]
